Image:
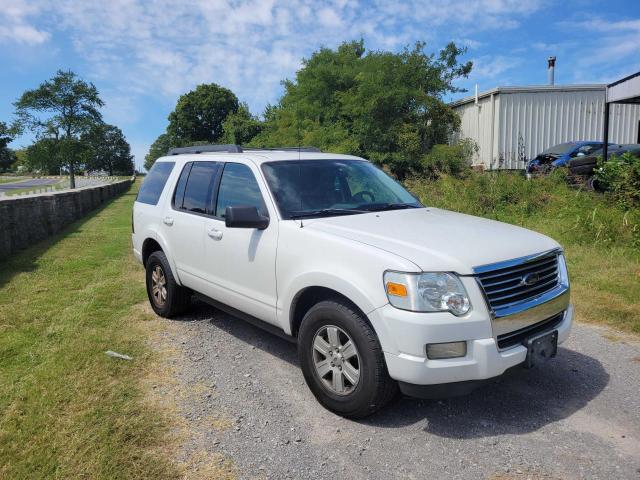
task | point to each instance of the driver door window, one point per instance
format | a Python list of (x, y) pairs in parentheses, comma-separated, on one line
[(238, 187)]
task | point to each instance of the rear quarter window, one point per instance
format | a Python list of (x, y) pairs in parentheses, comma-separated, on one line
[(154, 183)]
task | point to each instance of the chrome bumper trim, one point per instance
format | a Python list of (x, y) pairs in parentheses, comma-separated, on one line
[(550, 304)]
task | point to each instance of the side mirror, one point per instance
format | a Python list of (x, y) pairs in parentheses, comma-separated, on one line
[(244, 217)]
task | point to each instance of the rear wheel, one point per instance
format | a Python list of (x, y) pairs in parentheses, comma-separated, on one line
[(167, 298), (342, 360)]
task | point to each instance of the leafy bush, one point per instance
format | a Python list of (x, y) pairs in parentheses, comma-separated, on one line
[(546, 204), (620, 176), (454, 160), (386, 106)]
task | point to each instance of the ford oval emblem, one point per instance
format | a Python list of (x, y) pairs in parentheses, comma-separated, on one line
[(530, 279)]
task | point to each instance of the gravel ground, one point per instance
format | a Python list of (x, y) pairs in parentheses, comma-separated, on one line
[(577, 417)]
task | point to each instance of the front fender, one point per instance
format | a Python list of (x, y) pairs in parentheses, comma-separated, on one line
[(364, 302)]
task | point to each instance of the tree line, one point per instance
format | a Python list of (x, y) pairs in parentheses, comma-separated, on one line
[(64, 115), (385, 106)]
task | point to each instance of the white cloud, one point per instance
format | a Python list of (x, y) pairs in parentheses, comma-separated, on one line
[(329, 18), (493, 67), (15, 26), (607, 45), (163, 48)]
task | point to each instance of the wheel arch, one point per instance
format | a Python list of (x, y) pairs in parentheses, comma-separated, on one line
[(154, 243), (149, 246), (310, 296)]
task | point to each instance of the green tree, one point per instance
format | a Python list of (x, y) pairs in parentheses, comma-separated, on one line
[(43, 156), (7, 156), (383, 105), (240, 127), (62, 109), (107, 149), (160, 147), (199, 114)]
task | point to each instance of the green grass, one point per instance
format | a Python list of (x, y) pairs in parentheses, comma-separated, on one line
[(601, 241), (11, 179), (66, 409)]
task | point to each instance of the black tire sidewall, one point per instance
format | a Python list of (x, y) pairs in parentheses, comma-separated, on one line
[(159, 258), (330, 313)]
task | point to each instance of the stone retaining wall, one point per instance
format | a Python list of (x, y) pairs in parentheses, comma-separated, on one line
[(25, 220)]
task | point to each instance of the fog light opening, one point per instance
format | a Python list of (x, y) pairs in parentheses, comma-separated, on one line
[(439, 351)]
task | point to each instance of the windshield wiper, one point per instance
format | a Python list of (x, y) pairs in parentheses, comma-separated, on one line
[(391, 206), (326, 212)]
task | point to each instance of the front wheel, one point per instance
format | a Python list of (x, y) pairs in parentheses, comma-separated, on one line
[(342, 360)]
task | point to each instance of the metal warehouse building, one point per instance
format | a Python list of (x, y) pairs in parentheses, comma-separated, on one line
[(513, 124)]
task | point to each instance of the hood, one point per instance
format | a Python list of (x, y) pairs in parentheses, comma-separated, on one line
[(435, 239)]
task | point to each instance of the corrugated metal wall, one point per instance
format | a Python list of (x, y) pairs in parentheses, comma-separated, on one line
[(526, 123), (476, 124)]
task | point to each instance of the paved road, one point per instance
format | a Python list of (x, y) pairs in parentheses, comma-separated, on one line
[(34, 182), (577, 418)]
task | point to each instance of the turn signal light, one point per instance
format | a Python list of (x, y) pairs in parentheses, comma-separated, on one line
[(396, 289)]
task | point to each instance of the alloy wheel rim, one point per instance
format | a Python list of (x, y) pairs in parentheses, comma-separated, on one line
[(336, 360), (158, 286)]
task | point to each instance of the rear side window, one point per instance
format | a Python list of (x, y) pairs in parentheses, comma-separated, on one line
[(178, 195), (238, 187), (199, 187), (154, 183)]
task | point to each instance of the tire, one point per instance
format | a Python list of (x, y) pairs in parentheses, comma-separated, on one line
[(374, 387), (176, 298), (594, 184)]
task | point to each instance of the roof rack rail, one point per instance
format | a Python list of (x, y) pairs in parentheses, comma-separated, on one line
[(229, 148), (286, 149)]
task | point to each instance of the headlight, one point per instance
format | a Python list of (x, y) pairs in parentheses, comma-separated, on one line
[(427, 292), (563, 272)]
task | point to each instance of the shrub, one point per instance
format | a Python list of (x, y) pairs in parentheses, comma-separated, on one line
[(546, 204), (454, 160), (620, 176)]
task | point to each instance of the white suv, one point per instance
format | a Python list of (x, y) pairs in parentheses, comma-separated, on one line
[(378, 290)]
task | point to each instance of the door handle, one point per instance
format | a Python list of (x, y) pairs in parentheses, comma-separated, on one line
[(215, 234), (167, 221)]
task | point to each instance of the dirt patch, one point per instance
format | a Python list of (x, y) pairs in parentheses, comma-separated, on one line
[(175, 400)]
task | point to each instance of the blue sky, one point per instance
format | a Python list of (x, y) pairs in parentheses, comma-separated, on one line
[(142, 54)]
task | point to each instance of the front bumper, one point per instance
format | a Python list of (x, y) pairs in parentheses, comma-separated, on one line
[(483, 359)]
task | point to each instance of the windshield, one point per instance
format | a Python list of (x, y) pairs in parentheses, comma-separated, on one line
[(305, 188), (558, 149)]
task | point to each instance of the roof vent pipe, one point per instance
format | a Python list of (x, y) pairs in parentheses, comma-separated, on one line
[(551, 61)]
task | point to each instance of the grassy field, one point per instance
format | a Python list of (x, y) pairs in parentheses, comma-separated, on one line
[(67, 409), (601, 241), (11, 179)]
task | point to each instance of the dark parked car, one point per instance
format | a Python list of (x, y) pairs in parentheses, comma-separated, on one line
[(585, 165), (560, 155)]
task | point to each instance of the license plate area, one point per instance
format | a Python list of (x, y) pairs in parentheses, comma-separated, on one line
[(541, 348)]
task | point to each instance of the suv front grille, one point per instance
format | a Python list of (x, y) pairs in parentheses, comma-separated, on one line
[(518, 283)]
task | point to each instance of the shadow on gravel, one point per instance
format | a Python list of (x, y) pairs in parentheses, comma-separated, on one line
[(244, 331), (519, 402)]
